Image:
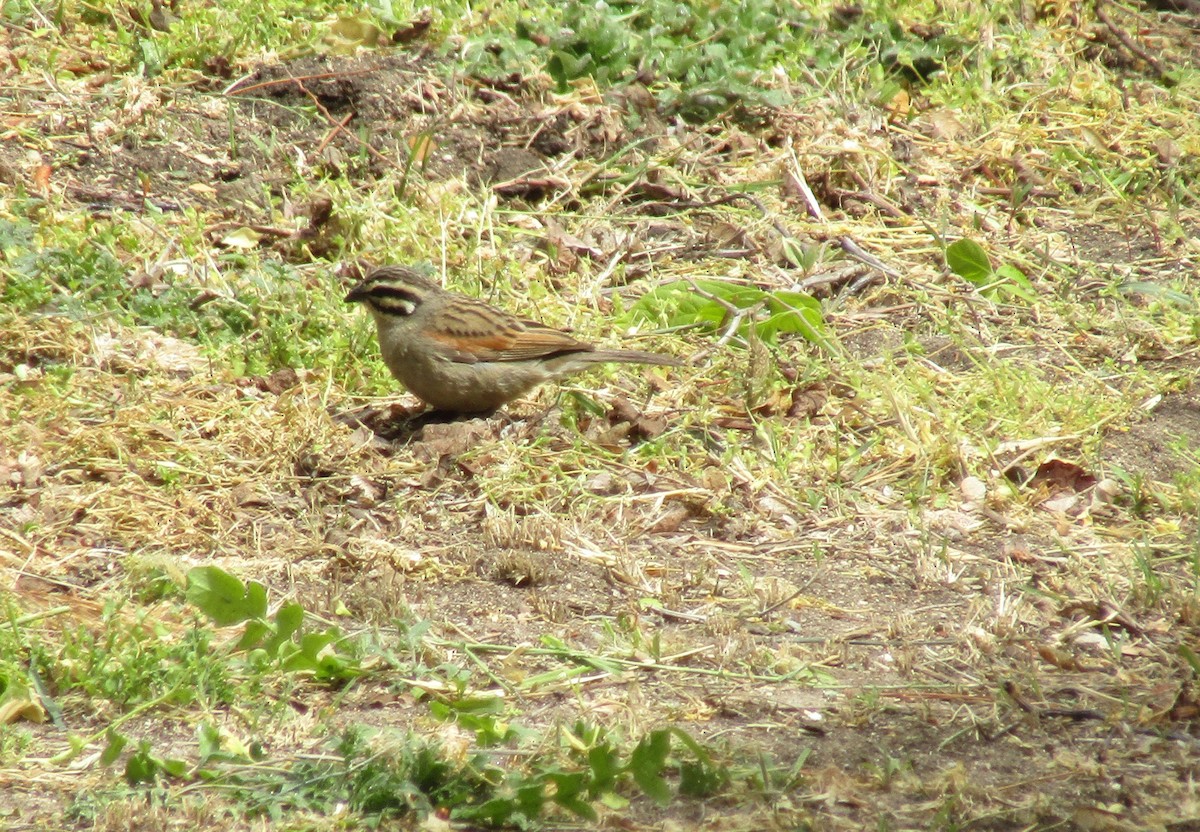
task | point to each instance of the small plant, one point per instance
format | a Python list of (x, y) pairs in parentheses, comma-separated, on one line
[(596, 774), (135, 662), (278, 640), (699, 59), (968, 260), (732, 309)]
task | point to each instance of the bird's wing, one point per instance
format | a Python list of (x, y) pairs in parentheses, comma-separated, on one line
[(474, 332)]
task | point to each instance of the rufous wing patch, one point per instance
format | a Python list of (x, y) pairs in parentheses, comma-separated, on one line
[(508, 345)]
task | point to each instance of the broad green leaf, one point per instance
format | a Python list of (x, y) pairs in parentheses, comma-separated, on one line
[(174, 766), (647, 762), (605, 765), (968, 260), (794, 312), (115, 745), (141, 767), (568, 788), (531, 797), (701, 779), (253, 635), (679, 304), (1015, 275), (1017, 284), (208, 738), (224, 598), (288, 620)]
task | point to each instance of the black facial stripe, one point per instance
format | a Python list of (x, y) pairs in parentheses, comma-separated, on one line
[(393, 300), (383, 290)]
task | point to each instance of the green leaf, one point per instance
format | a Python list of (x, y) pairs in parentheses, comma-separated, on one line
[(605, 765), (568, 791), (531, 797), (968, 260), (1190, 657), (116, 744), (224, 598), (647, 762), (1017, 284), (1158, 292), (141, 767), (614, 801), (700, 779), (174, 767), (288, 620), (208, 738), (794, 312), (253, 635), (679, 304)]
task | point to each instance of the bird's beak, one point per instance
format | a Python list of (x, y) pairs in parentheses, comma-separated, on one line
[(357, 295)]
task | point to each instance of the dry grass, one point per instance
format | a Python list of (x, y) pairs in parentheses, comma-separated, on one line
[(861, 560)]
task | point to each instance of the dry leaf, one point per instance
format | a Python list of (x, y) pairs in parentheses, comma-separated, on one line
[(1058, 475), (242, 238)]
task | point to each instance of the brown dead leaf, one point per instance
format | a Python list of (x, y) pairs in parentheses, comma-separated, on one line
[(451, 438), (671, 519), (415, 30), (1099, 819), (365, 492), (734, 423), (943, 124), (285, 378), (658, 192), (219, 66), (898, 107), (802, 401), (41, 179), (247, 495), (641, 425), (1168, 152), (1187, 705), (21, 707), (1016, 548), (807, 401), (1059, 658), (531, 187), (1058, 475), (1104, 612), (557, 238), (726, 235), (1062, 482)]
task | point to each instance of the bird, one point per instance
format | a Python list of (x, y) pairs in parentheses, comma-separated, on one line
[(461, 355)]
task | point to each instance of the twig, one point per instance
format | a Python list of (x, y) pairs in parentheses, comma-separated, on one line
[(868, 195), (233, 90), (733, 314), (1128, 43), (1010, 688), (800, 182), (854, 250), (804, 587), (338, 128)]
